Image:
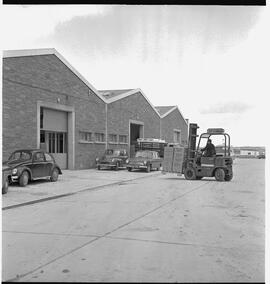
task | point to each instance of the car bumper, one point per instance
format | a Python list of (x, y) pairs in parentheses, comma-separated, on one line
[(137, 166), (106, 165), (14, 178)]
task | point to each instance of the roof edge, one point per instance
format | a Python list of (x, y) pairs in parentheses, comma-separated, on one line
[(28, 52), (51, 51), (132, 92), (171, 110), (168, 112)]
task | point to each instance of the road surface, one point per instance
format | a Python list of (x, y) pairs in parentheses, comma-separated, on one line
[(161, 228)]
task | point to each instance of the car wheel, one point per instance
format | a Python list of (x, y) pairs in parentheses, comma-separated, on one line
[(148, 169), (117, 166), (5, 186), (220, 174), (190, 174), (24, 178), (129, 169), (54, 176), (98, 167), (228, 177)]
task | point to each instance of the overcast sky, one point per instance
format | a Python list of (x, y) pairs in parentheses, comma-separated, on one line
[(209, 60)]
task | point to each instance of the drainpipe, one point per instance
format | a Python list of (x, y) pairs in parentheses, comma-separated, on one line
[(106, 126), (160, 130)]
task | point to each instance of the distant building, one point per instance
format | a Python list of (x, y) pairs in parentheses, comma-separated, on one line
[(248, 152)]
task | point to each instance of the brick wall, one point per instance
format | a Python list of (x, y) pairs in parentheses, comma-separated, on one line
[(172, 121), (31, 78)]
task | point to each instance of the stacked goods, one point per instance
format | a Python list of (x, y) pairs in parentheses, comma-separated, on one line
[(178, 159), (173, 159), (151, 144), (168, 159)]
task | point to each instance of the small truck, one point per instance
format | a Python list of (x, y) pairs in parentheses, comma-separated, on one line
[(191, 162)]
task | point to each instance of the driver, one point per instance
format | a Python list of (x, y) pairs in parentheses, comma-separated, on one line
[(209, 150)]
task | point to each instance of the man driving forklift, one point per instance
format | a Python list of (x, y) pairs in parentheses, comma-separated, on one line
[(209, 150)]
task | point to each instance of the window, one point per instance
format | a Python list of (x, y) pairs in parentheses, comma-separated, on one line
[(41, 117), (57, 142), (42, 136), (177, 136), (20, 155), (48, 157), (52, 142), (86, 136), (39, 157), (100, 137), (122, 138), (123, 153), (113, 138)]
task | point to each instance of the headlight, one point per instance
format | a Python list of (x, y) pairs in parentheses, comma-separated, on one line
[(113, 160), (97, 159), (144, 162), (14, 171), (127, 161)]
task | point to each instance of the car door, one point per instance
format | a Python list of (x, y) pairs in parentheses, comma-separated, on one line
[(123, 156), (38, 165), (49, 164), (156, 160)]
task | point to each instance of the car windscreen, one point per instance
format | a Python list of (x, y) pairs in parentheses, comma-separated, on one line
[(111, 152), (143, 154), (20, 156), (116, 152)]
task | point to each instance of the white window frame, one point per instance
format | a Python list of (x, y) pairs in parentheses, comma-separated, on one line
[(101, 135), (126, 138), (84, 141), (174, 132), (111, 141)]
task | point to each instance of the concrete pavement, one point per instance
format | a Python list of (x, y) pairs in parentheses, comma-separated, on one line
[(157, 229), (70, 182)]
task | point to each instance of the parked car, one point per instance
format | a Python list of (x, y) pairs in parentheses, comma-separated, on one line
[(6, 175), (32, 164), (113, 159), (261, 156), (145, 160)]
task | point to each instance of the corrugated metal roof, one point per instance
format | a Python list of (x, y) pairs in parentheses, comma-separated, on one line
[(163, 109), (108, 94)]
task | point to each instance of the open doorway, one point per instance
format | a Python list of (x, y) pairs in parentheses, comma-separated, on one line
[(135, 132)]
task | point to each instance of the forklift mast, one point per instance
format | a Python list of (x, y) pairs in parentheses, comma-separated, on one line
[(192, 140)]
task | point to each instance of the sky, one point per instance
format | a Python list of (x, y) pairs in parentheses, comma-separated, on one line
[(210, 61)]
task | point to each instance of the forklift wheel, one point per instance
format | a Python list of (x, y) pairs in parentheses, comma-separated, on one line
[(220, 174), (228, 177), (190, 174)]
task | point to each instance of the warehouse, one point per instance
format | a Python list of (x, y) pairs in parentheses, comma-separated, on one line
[(130, 115), (48, 104), (173, 125)]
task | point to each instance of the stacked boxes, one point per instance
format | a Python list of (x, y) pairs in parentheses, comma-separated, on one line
[(173, 159), (178, 159), (168, 159)]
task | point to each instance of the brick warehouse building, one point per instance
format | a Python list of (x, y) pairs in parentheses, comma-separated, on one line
[(173, 126), (48, 104)]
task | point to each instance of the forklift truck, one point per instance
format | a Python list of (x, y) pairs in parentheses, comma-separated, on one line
[(196, 166)]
